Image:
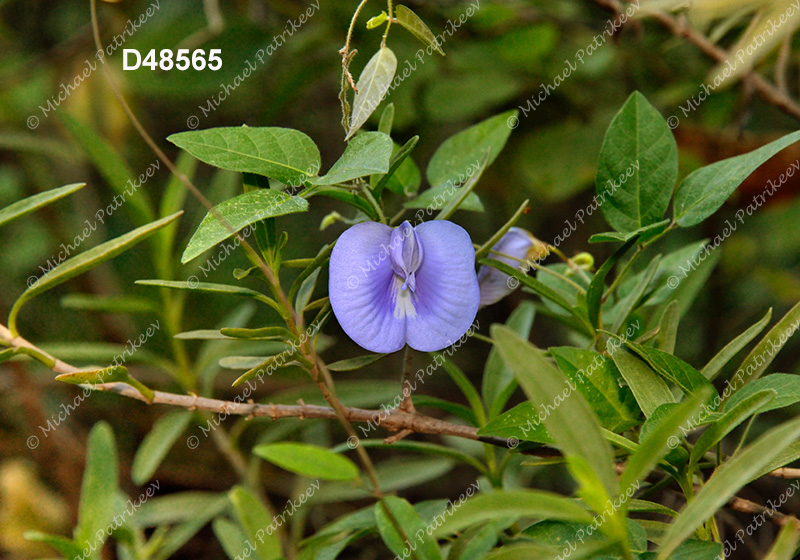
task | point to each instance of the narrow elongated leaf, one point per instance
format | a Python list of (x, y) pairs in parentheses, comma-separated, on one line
[(648, 388), (411, 21), (157, 444), (364, 155), (255, 521), (79, 264), (632, 301), (787, 387), (705, 190), (498, 380), (656, 443), (785, 545), (238, 213), (672, 368), (715, 364), (403, 176), (638, 166), (63, 545), (597, 379), (735, 415), (668, 328), (726, 481), (644, 233), (99, 488), (513, 504), (466, 149), (594, 294), (230, 536), (308, 460), (433, 199), (284, 154), (109, 304), (352, 364), (411, 530), (372, 86), (761, 356), (569, 418), (33, 203)]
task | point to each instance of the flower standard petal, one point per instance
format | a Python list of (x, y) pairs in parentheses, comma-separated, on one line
[(361, 288), (447, 295)]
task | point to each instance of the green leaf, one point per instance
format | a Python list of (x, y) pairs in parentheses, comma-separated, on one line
[(594, 295), (570, 421), (466, 149), (417, 27), (705, 190), (230, 536), (715, 364), (178, 508), (785, 545), (308, 460), (358, 362), (403, 176), (264, 333), (644, 233), (475, 543), (372, 86), (498, 380), (255, 521), (401, 513), (668, 328), (210, 288), (284, 154), (638, 166), (113, 168), (33, 203), (673, 369), (238, 213), (597, 379), (726, 481), (521, 422), (157, 443), (433, 199), (364, 155), (626, 306), (461, 193), (79, 264), (99, 488), (63, 545), (787, 387), (655, 444), (109, 304), (648, 388), (512, 504), (760, 357), (387, 119), (735, 414)]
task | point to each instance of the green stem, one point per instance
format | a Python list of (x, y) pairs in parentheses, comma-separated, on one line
[(388, 22)]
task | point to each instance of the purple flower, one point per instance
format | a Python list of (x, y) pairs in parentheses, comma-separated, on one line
[(515, 246), (407, 285)]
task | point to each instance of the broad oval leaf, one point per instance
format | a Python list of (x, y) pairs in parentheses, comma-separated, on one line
[(464, 151), (79, 264), (705, 190), (308, 460), (284, 154), (366, 154), (372, 85), (638, 166), (33, 203), (238, 213)]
